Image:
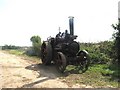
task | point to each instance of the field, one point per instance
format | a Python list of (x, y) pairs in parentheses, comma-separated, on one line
[(99, 75)]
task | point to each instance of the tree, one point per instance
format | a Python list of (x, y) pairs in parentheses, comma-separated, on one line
[(117, 40), (36, 43)]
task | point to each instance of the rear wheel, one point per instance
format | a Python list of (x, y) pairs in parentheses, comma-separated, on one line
[(61, 62), (46, 53)]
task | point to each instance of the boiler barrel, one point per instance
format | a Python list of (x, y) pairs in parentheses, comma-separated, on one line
[(71, 25)]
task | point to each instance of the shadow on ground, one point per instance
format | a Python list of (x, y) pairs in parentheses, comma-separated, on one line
[(46, 73)]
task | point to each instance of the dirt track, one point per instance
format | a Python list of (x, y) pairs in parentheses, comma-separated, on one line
[(16, 72)]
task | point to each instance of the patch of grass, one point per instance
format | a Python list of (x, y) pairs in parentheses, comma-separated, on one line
[(21, 53), (96, 76), (15, 52)]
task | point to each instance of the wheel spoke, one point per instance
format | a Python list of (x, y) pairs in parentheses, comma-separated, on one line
[(84, 61), (61, 61), (46, 52)]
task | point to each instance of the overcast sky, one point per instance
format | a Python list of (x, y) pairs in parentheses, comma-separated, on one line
[(21, 19), (119, 9)]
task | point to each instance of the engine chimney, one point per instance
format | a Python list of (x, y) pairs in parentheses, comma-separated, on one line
[(71, 25)]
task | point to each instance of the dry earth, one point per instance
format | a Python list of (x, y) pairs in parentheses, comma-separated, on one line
[(17, 72)]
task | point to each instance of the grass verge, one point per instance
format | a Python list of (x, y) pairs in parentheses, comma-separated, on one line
[(96, 76), (21, 53)]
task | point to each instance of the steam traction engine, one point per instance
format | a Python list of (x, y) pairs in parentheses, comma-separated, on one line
[(63, 50)]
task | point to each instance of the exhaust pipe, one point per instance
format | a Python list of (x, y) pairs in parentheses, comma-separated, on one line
[(71, 25)]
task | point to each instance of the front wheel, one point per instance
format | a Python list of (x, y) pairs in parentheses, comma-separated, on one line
[(61, 62), (84, 60)]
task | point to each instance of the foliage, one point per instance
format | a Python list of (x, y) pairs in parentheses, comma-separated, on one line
[(116, 73), (100, 53), (117, 40), (10, 47), (104, 53), (36, 44)]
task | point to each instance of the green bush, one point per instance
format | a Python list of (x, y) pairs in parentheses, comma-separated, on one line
[(100, 53), (36, 44), (10, 47), (116, 37), (103, 53)]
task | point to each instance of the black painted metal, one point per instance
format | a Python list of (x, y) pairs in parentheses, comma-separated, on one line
[(71, 25)]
